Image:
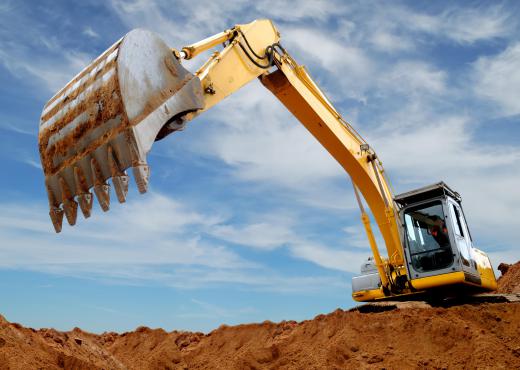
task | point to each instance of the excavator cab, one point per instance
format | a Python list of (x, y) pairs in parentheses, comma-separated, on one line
[(436, 237), (437, 245)]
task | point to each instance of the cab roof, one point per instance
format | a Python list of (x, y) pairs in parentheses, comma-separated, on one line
[(427, 192)]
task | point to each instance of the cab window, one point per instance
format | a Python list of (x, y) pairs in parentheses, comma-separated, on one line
[(427, 237)]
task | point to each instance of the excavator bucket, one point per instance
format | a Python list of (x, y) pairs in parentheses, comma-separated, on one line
[(105, 120)]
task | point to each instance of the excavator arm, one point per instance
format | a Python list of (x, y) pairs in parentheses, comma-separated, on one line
[(253, 50), (107, 118)]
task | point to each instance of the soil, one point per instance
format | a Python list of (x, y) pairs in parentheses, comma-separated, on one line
[(483, 336), (509, 282)]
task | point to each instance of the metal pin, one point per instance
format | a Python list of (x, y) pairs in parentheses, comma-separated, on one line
[(85, 199), (141, 173), (101, 189), (69, 205), (119, 178)]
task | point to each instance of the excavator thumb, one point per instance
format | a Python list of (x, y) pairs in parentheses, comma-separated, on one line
[(106, 119)]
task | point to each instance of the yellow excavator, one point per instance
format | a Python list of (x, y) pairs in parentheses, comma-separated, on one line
[(105, 120)]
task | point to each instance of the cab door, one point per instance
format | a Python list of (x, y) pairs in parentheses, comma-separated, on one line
[(462, 239)]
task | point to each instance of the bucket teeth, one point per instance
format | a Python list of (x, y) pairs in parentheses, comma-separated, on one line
[(70, 207), (84, 196), (56, 215), (141, 173), (119, 177), (101, 188), (121, 187)]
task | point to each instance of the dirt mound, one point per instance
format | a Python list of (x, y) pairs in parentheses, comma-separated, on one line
[(483, 336), (509, 282)]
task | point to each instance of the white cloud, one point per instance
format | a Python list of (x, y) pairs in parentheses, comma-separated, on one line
[(411, 77), (31, 162), (261, 235), (387, 41), (462, 25), (265, 145), (420, 146), (319, 10), (394, 28), (88, 31), (497, 78), (437, 145), (151, 230), (356, 237), (471, 25), (51, 72), (36, 56), (342, 260), (158, 240), (148, 14), (312, 45)]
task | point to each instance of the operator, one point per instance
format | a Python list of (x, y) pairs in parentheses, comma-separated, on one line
[(440, 233)]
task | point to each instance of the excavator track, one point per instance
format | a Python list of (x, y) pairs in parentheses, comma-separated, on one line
[(388, 305)]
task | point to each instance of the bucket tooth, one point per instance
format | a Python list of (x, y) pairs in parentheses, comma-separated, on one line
[(56, 215), (70, 207), (141, 173), (119, 177), (102, 192), (85, 199), (101, 188), (121, 187), (85, 203), (55, 212)]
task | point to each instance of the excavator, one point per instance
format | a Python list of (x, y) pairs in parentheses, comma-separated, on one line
[(106, 119)]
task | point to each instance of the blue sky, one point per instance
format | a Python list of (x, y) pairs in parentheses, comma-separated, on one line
[(247, 217)]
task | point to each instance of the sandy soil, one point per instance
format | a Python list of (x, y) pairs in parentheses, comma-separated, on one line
[(484, 336), (509, 282)]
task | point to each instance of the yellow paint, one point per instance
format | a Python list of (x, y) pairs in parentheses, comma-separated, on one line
[(230, 69), (485, 270), (339, 140), (438, 280), (368, 295), (375, 251)]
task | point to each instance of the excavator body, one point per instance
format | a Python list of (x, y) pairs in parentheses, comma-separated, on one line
[(105, 120), (438, 248)]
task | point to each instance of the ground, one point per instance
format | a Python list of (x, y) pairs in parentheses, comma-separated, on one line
[(477, 336)]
